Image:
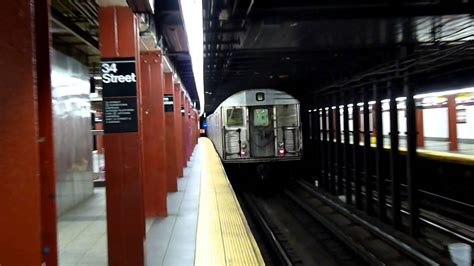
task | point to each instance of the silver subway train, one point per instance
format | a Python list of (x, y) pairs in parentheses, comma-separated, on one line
[(257, 125)]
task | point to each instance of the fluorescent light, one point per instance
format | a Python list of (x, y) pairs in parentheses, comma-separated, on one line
[(152, 5), (400, 99), (192, 15), (444, 93)]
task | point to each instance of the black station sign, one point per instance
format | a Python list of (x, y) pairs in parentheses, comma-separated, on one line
[(119, 105), (118, 77), (120, 115), (168, 103)]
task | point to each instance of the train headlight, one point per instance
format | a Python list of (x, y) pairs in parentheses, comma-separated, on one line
[(281, 151), (244, 146)]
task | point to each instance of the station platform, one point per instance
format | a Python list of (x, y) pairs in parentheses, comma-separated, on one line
[(205, 224)]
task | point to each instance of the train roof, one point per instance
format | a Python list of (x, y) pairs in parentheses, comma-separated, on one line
[(258, 97)]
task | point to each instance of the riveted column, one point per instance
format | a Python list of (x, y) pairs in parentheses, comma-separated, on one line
[(420, 138), (170, 132), (183, 129), (118, 35), (452, 123), (153, 133), (188, 130), (27, 190), (178, 128)]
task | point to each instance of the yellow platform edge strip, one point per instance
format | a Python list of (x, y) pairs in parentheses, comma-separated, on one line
[(223, 234)]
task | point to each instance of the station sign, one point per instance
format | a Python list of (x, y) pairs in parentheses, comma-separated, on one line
[(120, 115), (118, 77), (168, 103), (119, 92)]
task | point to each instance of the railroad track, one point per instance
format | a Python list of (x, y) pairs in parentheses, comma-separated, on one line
[(373, 243), (295, 237), (437, 228)]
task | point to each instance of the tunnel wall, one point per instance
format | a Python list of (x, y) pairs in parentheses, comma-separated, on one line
[(72, 131)]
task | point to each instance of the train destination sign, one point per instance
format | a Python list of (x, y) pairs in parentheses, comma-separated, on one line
[(118, 77), (168, 103), (120, 115)]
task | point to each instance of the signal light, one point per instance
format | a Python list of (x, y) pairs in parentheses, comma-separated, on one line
[(281, 151)]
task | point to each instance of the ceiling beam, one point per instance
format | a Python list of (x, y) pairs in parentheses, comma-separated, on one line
[(344, 11), (75, 30)]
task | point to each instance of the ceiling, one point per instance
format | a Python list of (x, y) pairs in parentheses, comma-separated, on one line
[(305, 46), (300, 46), (75, 32)]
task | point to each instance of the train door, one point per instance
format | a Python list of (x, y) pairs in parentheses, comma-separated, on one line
[(262, 135), (234, 132)]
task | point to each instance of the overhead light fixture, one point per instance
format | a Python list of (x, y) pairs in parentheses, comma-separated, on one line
[(191, 11), (224, 15), (443, 93)]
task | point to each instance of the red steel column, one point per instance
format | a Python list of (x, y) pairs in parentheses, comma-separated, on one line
[(420, 138), (184, 130), (118, 35), (153, 133), (45, 139), (188, 127), (27, 190), (170, 132), (196, 126), (452, 123), (178, 128)]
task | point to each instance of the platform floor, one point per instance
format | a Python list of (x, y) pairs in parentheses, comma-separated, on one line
[(204, 226)]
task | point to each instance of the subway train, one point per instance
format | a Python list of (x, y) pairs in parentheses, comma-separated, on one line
[(257, 126), (257, 134)]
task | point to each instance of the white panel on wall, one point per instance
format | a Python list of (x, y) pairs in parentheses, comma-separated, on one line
[(402, 123), (435, 122), (466, 130), (386, 123)]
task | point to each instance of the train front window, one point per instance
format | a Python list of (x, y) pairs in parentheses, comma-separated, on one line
[(235, 117), (260, 117)]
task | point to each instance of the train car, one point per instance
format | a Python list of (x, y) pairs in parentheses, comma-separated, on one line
[(257, 126)]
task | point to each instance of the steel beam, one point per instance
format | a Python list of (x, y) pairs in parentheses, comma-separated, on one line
[(394, 157), (367, 160), (413, 206), (337, 149), (324, 147), (347, 152), (350, 11), (355, 151), (75, 30), (379, 152), (317, 140), (331, 148)]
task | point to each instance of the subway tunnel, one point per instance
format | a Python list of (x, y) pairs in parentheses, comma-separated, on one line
[(237, 132)]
